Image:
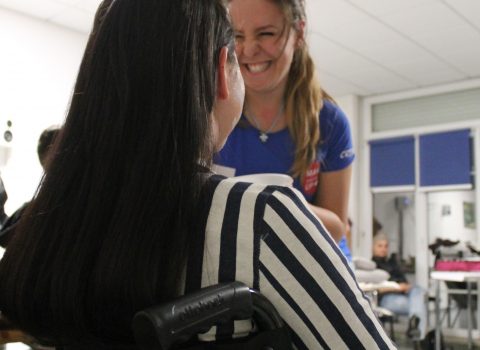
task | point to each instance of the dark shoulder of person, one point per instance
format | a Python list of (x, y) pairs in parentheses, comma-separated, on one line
[(8, 229), (3, 199), (382, 263), (396, 273), (392, 267)]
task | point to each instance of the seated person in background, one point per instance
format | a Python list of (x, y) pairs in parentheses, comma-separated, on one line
[(404, 300), (129, 215), (3, 200), (45, 142)]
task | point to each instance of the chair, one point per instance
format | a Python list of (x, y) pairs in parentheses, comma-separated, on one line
[(175, 325), (458, 292), (386, 317)]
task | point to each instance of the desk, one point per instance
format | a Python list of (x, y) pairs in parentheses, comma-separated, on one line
[(455, 276)]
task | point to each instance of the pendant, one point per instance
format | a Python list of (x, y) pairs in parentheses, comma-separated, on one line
[(263, 137)]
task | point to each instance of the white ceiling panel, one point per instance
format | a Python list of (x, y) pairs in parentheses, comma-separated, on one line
[(414, 66), (321, 48), (378, 79), (427, 19), (361, 47), (395, 52), (451, 48), (342, 63), (359, 34), (351, 66), (435, 77), (469, 63), (469, 9), (453, 39), (380, 8), (322, 18), (341, 87)]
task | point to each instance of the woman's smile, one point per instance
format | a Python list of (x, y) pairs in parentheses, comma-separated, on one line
[(257, 68)]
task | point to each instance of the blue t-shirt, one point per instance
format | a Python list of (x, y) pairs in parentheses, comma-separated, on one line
[(247, 154)]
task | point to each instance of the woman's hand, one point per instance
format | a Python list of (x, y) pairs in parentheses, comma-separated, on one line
[(404, 287), (332, 222)]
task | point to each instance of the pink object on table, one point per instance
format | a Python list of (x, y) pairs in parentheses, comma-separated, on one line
[(457, 265)]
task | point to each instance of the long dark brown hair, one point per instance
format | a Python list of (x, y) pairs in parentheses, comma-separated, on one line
[(108, 231)]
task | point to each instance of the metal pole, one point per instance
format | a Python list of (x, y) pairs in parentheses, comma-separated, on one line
[(437, 315), (469, 314), (400, 234)]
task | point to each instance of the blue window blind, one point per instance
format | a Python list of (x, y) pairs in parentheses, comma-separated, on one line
[(392, 162), (445, 158)]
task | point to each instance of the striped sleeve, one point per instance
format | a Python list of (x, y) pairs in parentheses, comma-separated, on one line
[(266, 237), (304, 275), (231, 249)]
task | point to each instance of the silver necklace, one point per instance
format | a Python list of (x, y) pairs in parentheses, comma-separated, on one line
[(263, 135)]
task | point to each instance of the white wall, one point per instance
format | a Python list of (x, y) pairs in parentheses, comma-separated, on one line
[(446, 216), (38, 67)]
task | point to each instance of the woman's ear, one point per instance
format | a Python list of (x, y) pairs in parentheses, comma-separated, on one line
[(222, 84)]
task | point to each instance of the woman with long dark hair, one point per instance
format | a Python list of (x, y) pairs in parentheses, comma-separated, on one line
[(128, 214)]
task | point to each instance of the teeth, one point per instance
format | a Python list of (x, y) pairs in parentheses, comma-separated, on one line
[(257, 67)]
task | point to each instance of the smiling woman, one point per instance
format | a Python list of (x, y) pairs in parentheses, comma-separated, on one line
[(289, 124)]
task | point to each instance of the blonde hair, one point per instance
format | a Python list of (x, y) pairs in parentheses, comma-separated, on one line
[(303, 95)]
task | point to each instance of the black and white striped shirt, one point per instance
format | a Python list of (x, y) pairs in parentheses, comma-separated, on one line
[(267, 238)]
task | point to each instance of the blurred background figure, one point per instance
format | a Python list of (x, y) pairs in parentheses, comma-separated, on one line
[(45, 144), (3, 200), (406, 299)]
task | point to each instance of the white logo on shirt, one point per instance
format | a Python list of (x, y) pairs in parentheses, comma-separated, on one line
[(348, 153)]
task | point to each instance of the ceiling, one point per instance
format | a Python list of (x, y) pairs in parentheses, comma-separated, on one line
[(361, 47)]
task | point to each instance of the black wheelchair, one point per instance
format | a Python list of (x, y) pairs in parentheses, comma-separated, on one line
[(175, 325)]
